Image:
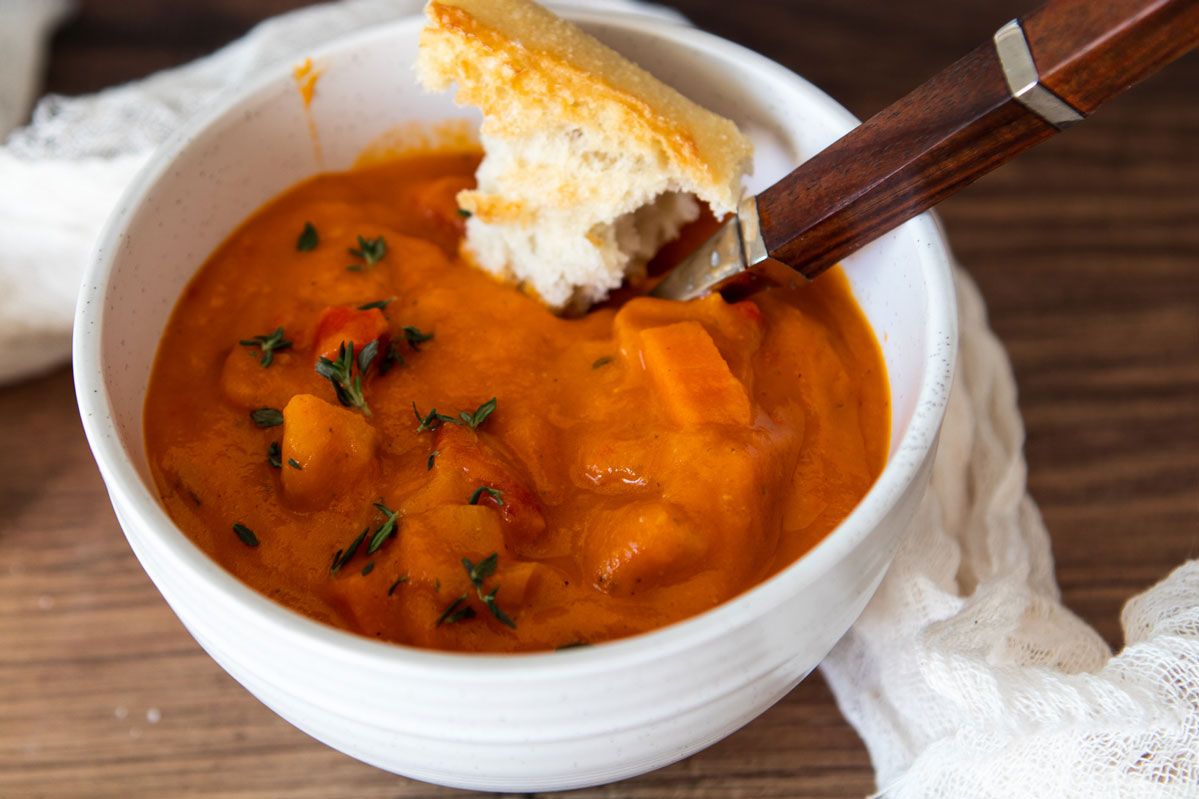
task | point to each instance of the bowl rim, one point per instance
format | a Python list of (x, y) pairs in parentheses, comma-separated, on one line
[(140, 506)]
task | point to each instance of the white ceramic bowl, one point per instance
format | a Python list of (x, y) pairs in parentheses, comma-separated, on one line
[(528, 722)]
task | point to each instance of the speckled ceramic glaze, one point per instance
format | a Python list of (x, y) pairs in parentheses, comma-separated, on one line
[(529, 722)]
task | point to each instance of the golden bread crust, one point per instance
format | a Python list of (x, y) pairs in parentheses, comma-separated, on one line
[(525, 69)]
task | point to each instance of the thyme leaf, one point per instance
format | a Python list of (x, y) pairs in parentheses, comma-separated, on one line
[(432, 455), (385, 531), (473, 420), (343, 556), (368, 568), (274, 455), (246, 535), (478, 572), (415, 337), (308, 238), (478, 492), (295, 464), (432, 421), (604, 361), (267, 417), (391, 358), (456, 612), (465, 214), (347, 385), (396, 584), (269, 344), (371, 251), (367, 354), (380, 304)]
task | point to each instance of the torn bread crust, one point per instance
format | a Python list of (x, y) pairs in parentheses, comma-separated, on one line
[(589, 161)]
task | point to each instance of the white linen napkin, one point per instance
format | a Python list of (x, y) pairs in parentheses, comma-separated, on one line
[(965, 676)]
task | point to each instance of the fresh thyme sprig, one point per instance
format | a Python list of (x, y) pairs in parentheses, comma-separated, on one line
[(347, 385), (342, 556), (478, 572), (267, 417), (478, 492), (432, 420), (246, 535), (308, 238), (416, 337), (456, 612), (473, 420), (385, 531), (371, 251), (391, 358), (269, 344)]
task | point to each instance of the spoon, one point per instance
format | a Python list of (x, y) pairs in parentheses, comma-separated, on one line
[(1037, 76)]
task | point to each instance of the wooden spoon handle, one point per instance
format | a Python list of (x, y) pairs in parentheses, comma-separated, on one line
[(966, 121)]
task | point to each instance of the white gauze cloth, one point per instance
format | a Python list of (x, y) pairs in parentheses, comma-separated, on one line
[(965, 676)]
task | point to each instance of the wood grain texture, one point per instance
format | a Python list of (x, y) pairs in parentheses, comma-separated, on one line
[(1087, 52), (1086, 249), (939, 138)]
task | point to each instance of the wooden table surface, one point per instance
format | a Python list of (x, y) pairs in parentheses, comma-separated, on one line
[(1087, 250)]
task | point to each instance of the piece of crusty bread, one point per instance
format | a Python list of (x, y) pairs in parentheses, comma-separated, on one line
[(590, 161)]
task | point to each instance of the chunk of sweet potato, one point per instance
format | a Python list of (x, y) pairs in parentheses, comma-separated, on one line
[(331, 446), (692, 380), (642, 545), (736, 328)]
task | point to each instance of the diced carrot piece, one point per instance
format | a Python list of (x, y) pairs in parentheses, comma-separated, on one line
[(331, 447), (641, 546), (736, 328), (693, 381), (339, 324)]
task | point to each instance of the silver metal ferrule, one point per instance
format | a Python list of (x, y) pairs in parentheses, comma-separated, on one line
[(1024, 82), (731, 250)]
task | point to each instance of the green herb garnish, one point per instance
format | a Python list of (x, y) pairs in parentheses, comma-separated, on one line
[(572, 645), (385, 531), (274, 455), (604, 361), (465, 214), (246, 535), (432, 421), (396, 584), (343, 556), (429, 463), (348, 386), (308, 238), (267, 417), (380, 304), (478, 492), (454, 614), (390, 359), (368, 568), (478, 572), (371, 251), (293, 463), (269, 344), (473, 420), (415, 337)]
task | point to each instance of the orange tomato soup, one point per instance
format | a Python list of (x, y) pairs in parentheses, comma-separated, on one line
[(358, 424)]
